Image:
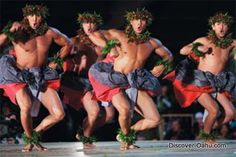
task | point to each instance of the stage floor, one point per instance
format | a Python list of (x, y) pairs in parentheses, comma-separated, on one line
[(224, 148)]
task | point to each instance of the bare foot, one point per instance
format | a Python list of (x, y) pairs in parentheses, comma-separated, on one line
[(39, 147), (89, 146), (27, 148), (132, 146), (124, 146), (210, 141)]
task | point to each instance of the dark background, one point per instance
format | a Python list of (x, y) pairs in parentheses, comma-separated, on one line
[(176, 22)]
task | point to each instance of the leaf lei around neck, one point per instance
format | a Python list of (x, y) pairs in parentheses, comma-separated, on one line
[(40, 30), (133, 37), (224, 42), (83, 38), (27, 33)]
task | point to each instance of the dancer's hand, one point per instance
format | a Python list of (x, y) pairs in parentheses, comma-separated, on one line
[(158, 70), (203, 49), (15, 27), (52, 65)]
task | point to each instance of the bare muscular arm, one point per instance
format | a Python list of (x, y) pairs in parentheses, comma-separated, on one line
[(113, 34), (186, 50), (3, 37), (234, 45), (164, 53), (234, 49), (98, 39), (62, 40), (80, 59), (76, 48)]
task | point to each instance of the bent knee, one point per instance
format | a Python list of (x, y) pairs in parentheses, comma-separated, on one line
[(230, 114), (214, 111), (154, 122), (124, 111), (59, 116), (94, 113), (25, 109)]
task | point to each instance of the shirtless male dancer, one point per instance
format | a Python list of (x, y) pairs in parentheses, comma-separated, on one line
[(76, 87), (25, 76), (201, 76), (110, 81)]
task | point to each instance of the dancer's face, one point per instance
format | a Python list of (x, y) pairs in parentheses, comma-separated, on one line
[(34, 21), (138, 25), (220, 29), (89, 28)]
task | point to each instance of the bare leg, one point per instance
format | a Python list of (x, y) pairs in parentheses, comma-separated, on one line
[(51, 101), (212, 108), (148, 110), (107, 116), (92, 109), (228, 109), (25, 104), (110, 111), (121, 103)]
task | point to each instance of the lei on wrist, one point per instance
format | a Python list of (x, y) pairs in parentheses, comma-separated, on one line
[(195, 49), (109, 45), (6, 31), (31, 140), (130, 138), (58, 60), (168, 66)]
